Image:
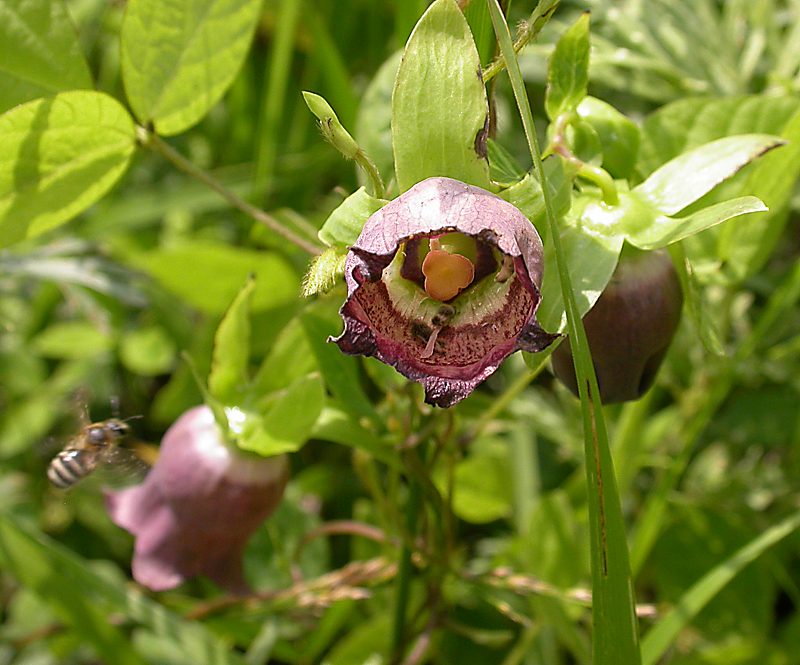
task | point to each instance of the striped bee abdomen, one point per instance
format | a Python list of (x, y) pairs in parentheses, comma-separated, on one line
[(70, 466)]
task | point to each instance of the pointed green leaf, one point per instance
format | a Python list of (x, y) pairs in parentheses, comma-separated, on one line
[(59, 155), (439, 105), (229, 377), (39, 52), (568, 70), (179, 56), (287, 422), (344, 224), (732, 251), (666, 230), (689, 176)]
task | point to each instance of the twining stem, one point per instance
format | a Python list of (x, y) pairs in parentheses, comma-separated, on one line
[(528, 31), (156, 144)]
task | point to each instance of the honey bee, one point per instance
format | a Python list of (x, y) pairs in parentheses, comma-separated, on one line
[(96, 445)]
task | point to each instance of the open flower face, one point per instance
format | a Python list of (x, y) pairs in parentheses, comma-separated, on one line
[(198, 507), (443, 284)]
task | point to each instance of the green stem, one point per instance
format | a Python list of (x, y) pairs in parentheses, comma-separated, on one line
[(156, 144), (371, 171)]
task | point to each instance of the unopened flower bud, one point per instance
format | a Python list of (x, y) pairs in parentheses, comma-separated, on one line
[(629, 329)]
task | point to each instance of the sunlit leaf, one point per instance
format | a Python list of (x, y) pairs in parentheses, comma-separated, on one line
[(689, 176), (665, 230), (287, 422), (59, 156), (568, 71), (180, 56), (39, 52), (439, 106)]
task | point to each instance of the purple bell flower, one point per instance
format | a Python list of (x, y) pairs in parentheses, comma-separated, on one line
[(443, 284), (198, 507)]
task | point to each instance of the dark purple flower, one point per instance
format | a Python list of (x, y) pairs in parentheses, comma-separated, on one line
[(629, 329), (198, 507), (443, 284)]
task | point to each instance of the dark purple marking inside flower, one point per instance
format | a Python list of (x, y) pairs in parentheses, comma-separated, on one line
[(198, 507), (450, 348)]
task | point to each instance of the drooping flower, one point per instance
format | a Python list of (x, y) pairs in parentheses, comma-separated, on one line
[(629, 329), (198, 507), (443, 284)]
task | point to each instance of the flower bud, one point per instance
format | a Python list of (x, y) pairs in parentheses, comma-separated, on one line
[(443, 284), (629, 329), (198, 507)]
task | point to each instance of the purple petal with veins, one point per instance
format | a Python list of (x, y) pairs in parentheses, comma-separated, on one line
[(389, 316)]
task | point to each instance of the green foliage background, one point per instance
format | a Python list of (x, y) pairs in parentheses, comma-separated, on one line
[(115, 261)]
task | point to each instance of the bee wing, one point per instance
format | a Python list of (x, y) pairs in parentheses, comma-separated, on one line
[(121, 466)]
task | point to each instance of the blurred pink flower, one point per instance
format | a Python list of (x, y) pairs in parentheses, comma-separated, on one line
[(443, 284), (198, 507)]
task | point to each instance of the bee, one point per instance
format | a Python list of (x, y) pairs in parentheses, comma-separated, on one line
[(97, 444)]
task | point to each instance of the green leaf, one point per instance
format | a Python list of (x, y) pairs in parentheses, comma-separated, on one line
[(178, 57), (208, 275), (439, 105), (339, 427), (692, 174), (344, 224), (72, 340), (229, 377), (482, 492), (568, 70), (502, 165), (664, 633), (40, 52), (591, 248), (745, 247), (289, 359), (340, 371), (666, 230), (147, 351), (732, 251), (79, 594), (287, 422), (619, 136), (59, 156)]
